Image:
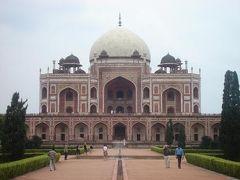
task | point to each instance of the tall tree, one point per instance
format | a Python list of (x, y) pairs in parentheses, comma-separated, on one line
[(169, 133), (230, 117), (182, 137), (1, 126), (14, 131)]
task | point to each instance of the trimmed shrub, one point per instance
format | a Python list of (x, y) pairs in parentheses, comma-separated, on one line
[(33, 143), (201, 151), (17, 168), (216, 164), (61, 151)]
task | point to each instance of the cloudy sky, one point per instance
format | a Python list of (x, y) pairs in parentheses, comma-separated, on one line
[(35, 32)]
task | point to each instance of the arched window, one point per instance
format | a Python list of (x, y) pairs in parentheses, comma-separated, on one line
[(69, 96), (146, 109), (69, 109), (195, 109), (93, 93), (170, 96), (195, 93), (170, 110), (44, 109), (44, 93), (120, 94), (145, 93), (93, 109)]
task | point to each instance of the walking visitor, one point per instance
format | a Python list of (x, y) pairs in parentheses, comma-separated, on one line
[(166, 154), (65, 151), (179, 155), (105, 153), (52, 159)]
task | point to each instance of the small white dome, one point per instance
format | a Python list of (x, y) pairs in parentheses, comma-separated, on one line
[(120, 42)]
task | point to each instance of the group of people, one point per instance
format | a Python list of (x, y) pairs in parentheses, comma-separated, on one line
[(179, 153)]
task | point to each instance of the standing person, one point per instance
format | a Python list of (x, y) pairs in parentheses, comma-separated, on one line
[(65, 151), (179, 155), (85, 147), (105, 153), (52, 158), (77, 151), (166, 153)]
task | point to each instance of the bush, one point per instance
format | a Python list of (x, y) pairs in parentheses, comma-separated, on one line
[(208, 143), (17, 168), (33, 143), (172, 150), (220, 165), (61, 151)]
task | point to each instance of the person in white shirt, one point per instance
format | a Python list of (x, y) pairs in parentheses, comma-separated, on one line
[(105, 153)]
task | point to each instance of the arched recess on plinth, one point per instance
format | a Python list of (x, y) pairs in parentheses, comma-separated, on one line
[(100, 132), (61, 132), (176, 130), (158, 132), (81, 132), (42, 131), (139, 132), (215, 131), (119, 131), (197, 132)]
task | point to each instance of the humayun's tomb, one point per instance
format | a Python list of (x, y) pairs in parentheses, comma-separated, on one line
[(119, 97)]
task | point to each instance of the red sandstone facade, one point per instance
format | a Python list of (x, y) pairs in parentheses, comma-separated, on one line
[(120, 98)]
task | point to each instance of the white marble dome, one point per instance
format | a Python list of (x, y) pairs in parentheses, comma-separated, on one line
[(119, 42)]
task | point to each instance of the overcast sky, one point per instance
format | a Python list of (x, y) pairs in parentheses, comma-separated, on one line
[(206, 33)]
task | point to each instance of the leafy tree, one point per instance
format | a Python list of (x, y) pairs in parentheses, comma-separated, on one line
[(206, 142), (182, 137), (34, 143), (169, 133), (14, 132), (229, 135)]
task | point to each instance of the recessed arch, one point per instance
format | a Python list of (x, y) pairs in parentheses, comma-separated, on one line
[(139, 132), (93, 108), (197, 132), (146, 93), (171, 97), (100, 132), (146, 108), (93, 93), (195, 93), (176, 130), (158, 132), (68, 101), (119, 92), (119, 131), (195, 109), (42, 131), (215, 131), (44, 93), (81, 132), (61, 132), (44, 109)]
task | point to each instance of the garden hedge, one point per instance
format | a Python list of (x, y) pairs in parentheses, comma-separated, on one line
[(172, 150), (227, 167), (61, 151), (20, 167)]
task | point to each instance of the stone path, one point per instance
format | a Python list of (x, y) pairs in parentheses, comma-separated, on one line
[(94, 167)]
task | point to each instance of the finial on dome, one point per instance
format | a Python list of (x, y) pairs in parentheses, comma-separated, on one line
[(119, 20)]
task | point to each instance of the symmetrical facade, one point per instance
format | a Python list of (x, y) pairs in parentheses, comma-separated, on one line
[(120, 98)]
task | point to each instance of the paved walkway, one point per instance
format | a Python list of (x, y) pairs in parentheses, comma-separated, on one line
[(88, 168)]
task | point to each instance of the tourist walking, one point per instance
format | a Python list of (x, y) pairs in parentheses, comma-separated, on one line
[(85, 147), (179, 155), (105, 153), (52, 159), (166, 154), (65, 151), (77, 151)]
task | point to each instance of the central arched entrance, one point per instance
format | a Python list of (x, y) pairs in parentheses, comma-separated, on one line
[(119, 96), (119, 132)]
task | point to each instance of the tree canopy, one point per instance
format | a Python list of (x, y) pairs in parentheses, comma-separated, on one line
[(169, 133), (14, 131), (230, 117)]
